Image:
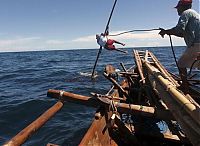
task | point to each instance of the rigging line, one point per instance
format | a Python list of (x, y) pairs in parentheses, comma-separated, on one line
[(170, 38), (192, 67), (135, 31), (106, 31)]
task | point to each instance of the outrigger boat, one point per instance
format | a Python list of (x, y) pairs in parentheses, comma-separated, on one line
[(136, 111)]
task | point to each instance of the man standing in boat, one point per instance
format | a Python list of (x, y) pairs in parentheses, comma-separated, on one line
[(188, 27), (108, 44)]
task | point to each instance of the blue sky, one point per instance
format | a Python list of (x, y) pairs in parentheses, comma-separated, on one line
[(72, 24)]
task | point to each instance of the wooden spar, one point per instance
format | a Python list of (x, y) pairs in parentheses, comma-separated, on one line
[(143, 111), (111, 89), (121, 107), (109, 70), (122, 65), (129, 78), (139, 65), (75, 98), (129, 74), (179, 97), (184, 111), (146, 55), (95, 64), (183, 118), (116, 84), (107, 96), (163, 70), (22, 136), (106, 30), (120, 50)]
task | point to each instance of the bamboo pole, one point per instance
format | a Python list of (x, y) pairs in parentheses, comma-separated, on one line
[(186, 104), (163, 70), (107, 96), (121, 107), (22, 136), (185, 112), (139, 65), (190, 127), (129, 78), (116, 84), (119, 50), (106, 30)]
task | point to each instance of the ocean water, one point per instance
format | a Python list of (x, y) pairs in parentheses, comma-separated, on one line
[(25, 78)]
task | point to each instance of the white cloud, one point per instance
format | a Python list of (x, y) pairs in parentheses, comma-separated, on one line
[(8, 42), (55, 42), (17, 44), (85, 39)]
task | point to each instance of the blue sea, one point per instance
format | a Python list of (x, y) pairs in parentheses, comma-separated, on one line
[(25, 78)]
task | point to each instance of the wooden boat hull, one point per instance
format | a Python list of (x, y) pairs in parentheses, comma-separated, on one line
[(148, 94), (99, 133)]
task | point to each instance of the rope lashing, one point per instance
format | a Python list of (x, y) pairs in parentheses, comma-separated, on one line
[(61, 95)]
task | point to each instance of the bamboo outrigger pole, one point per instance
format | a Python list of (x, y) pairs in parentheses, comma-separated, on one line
[(185, 111), (22, 136), (106, 30), (121, 107)]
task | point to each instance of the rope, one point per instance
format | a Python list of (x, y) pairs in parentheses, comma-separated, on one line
[(191, 67), (170, 38), (61, 95), (106, 32), (135, 31)]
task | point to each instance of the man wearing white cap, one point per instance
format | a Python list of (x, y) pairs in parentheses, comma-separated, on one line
[(188, 27)]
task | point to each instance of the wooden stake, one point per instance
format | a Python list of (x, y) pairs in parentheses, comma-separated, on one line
[(22, 136)]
